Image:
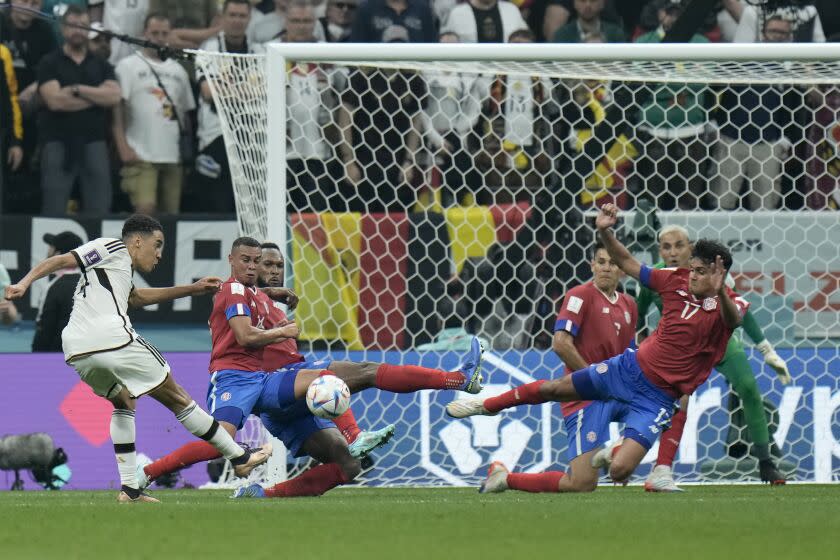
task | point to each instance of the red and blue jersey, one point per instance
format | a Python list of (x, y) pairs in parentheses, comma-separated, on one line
[(279, 354), (691, 336), (602, 328), (236, 300)]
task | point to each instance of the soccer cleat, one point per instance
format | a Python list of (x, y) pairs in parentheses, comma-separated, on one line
[(603, 458), (462, 408), (496, 480), (471, 368), (250, 491), (367, 441), (661, 479), (124, 498), (256, 457), (143, 480), (769, 473)]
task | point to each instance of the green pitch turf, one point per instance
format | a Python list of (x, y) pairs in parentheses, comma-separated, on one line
[(709, 522)]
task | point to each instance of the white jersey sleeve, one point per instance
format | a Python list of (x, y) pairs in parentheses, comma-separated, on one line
[(97, 253)]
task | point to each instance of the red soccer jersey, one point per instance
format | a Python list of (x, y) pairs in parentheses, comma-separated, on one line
[(233, 300), (279, 354), (691, 336), (601, 328)]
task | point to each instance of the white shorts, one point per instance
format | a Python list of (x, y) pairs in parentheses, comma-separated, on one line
[(139, 367)]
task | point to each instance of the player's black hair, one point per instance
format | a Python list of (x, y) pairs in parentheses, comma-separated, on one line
[(707, 250), (598, 245), (244, 242), (270, 245), (142, 224)]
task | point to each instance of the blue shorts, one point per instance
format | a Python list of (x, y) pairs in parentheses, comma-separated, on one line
[(293, 425), (233, 395), (589, 428), (621, 379)]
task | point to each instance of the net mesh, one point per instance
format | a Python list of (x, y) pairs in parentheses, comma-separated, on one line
[(430, 201)]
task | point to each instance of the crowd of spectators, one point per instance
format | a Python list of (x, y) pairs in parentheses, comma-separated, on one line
[(91, 124)]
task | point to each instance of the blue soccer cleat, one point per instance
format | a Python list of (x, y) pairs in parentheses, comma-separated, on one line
[(471, 368), (250, 491), (367, 441)]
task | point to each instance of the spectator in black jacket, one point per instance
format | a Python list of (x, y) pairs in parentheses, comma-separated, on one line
[(54, 312)]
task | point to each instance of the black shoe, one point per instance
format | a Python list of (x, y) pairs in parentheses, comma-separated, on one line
[(769, 473)]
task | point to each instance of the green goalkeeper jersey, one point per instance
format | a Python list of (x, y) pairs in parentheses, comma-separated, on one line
[(647, 297)]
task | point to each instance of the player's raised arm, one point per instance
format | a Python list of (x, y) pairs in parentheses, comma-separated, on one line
[(607, 217), (43, 268), (731, 311), (141, 297), (251, 337)]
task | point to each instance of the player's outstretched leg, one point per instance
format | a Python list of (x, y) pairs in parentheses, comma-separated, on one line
[(537, 392), (661, 477), (200, 424), (361, 441), (338, 467), (123, 437)]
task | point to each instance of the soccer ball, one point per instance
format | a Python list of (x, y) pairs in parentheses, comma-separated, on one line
[(328, 397)]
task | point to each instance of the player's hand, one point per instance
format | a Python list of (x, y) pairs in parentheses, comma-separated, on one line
[(718, 274), (289, 330), (208, 285), (607, 216), (283, 295), (15, 291), (772, 359)]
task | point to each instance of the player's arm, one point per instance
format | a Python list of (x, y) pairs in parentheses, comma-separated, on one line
[(43, 268), (771, 358), (731, 312), (141, 297), (607, 218), (283, 295), (564, 346), (249, 336)]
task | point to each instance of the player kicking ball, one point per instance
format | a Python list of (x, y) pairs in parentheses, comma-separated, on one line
[(281, 357), (102, 346), (698, 316), (595, 323), (239, 386)]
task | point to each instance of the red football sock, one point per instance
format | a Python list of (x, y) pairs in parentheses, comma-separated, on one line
[(186, 455), (524, 394), (536, 482), (407, 379), (313, 482), (346, 423), (670, 440)]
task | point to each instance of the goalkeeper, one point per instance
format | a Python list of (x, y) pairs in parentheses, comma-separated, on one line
[(675, 250)]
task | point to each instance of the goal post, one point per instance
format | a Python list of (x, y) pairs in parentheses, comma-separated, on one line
[(427, 192)]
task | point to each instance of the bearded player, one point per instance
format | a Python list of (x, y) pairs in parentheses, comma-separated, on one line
[(699, 313), (595, 323), (277, 356), (675, 250)]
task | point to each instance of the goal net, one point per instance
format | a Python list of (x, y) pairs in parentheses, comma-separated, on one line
[(426, 193)]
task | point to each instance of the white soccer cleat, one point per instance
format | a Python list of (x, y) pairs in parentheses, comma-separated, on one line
[(257, 456), (367, 441), (462, 408), (603, 458), (661, 479), (496, 480), (143, 480)]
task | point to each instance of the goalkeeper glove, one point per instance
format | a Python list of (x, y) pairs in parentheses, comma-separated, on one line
[(772, 359)]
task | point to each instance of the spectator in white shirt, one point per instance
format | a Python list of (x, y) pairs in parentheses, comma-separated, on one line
[(484, 21), (120, 16), (147, 130)]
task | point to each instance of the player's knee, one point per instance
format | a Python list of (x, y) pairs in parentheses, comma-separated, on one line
[(621, 470)]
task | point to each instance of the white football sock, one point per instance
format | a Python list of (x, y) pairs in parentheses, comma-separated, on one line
[(202, 425), (122, 436)]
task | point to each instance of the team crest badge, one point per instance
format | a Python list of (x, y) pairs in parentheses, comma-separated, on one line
[(709, 304), (601, 368), (591, 437), (226, 396)]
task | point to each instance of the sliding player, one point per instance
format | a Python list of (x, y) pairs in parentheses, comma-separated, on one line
[(595, 323), (699, 315), (675, 250)]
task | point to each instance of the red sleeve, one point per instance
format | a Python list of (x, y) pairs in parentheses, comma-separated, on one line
[(656, 279), (233, 300), (572, 311)]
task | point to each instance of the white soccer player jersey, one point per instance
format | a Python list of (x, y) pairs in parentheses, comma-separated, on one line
[(99, 321)]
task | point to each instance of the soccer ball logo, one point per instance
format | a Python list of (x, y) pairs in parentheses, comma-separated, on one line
[(328, 397)]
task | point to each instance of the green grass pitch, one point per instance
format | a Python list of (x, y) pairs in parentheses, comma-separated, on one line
[(709, 522)]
